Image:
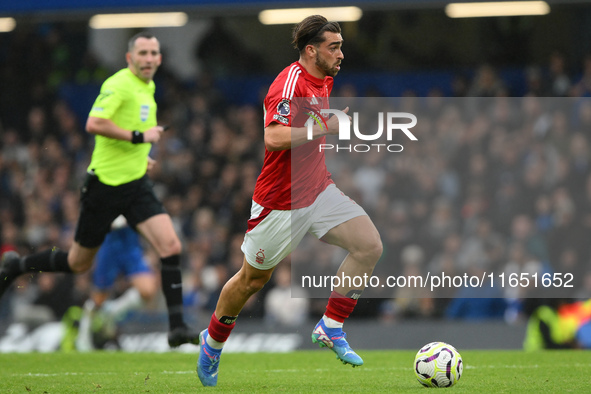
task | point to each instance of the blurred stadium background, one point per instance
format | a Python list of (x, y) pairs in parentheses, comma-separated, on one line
[(516, 197)]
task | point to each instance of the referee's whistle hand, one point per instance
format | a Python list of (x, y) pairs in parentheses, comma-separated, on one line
[(153, 134)]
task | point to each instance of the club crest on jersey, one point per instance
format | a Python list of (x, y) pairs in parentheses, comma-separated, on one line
[(283, 108), (144, 112)]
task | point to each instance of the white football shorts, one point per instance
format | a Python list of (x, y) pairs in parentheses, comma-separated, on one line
[(273, 234)]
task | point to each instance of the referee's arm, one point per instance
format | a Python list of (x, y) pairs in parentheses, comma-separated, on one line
[(107, 128)]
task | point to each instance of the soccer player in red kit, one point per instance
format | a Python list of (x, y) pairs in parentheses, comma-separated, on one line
[(295, 194)]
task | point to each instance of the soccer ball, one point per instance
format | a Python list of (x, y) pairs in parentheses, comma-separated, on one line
[(438, 364)]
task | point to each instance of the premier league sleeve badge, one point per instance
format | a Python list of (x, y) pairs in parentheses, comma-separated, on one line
[(283, 111), (283, 108)]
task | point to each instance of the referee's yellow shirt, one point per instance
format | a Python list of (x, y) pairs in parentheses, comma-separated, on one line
[(129, 103)]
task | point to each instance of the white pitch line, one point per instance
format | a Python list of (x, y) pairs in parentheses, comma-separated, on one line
[(178, 372), (369, 369), (506, 366), (64, 374), (533, 366)]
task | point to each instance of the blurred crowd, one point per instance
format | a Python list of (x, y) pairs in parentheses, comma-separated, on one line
[(505, 187)]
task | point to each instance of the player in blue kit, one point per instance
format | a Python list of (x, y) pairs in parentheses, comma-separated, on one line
[(120, 254)]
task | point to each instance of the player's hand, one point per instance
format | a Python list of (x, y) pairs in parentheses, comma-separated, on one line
[(333, 123), (153, 134)]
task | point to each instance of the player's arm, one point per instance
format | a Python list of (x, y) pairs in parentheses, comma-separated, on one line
[(282, 137), (107, 128)]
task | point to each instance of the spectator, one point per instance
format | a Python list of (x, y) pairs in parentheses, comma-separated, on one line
[(281, 306), (557, 83), (486, 83)]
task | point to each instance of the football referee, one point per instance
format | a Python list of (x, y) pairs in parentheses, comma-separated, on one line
[(123, 121)]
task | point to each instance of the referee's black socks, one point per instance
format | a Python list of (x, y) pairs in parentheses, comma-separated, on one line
[(51, 260), (172, 287)]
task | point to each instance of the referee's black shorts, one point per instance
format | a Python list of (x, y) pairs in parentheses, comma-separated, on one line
[(100, 204)]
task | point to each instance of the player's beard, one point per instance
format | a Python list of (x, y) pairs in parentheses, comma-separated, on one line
[(325, 67)]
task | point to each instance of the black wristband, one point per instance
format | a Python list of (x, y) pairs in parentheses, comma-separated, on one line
[(137, 137)]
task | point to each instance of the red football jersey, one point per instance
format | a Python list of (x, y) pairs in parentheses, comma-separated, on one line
[(293, 178)]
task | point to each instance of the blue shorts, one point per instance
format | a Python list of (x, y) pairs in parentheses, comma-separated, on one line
[(120, 254)]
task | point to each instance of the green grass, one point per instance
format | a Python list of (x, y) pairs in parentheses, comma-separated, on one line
[(299, 372)]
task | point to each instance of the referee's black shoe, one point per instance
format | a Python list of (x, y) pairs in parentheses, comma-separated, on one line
[(182, 335), (10, 269)]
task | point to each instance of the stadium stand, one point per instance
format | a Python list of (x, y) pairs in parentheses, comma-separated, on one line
[(508, 194)]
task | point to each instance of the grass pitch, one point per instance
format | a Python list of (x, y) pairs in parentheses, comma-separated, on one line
[(299, 372)]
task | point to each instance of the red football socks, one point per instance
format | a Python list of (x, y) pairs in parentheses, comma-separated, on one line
[(339, 307), (219, 331)]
